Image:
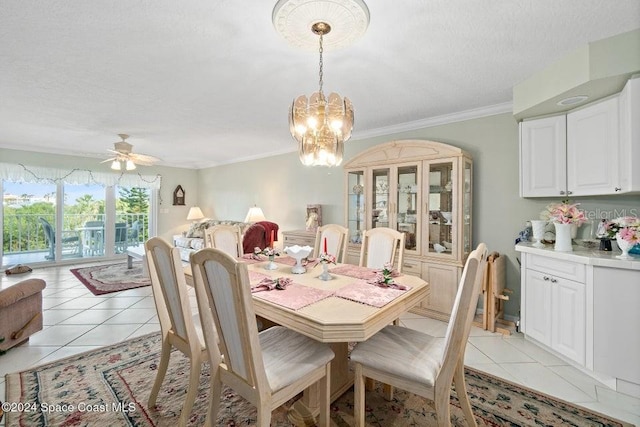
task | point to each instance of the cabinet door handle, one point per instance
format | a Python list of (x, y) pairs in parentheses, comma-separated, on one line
[(618, 189), (569, 192), (545, 278), (554, 280), (562, 193)]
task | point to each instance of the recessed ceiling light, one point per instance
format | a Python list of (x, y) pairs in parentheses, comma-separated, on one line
[(573, 100)]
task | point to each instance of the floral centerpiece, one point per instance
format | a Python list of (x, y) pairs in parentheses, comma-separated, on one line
[(327, 258), (626, 231), (566, 218), (563, 213), (270, 252)]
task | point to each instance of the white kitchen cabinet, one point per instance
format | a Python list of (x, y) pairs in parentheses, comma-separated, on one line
[(583, 307), (555, 305), (543, 157), (592, 150), (568, 320)]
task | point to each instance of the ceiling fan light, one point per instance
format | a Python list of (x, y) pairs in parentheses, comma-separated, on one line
[(115, 165), (130, 165)]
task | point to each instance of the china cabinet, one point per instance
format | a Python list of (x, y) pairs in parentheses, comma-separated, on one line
[(422, 189), (592, 150)]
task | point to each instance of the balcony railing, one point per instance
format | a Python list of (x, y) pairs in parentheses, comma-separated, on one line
[(24, 233)]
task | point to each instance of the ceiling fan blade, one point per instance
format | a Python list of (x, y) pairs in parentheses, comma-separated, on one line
[(143, 159), (109, 160)]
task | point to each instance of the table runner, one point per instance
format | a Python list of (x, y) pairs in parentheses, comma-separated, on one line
[(287, 260), (367, 293), (295, 296)]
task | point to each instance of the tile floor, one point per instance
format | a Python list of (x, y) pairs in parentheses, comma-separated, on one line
[(75, 321)]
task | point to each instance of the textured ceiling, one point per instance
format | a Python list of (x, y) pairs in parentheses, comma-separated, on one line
[(205, 82)]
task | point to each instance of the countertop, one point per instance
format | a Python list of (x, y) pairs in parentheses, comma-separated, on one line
[(582, 255)]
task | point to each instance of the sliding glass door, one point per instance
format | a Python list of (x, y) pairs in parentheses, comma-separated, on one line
[(54, 222)]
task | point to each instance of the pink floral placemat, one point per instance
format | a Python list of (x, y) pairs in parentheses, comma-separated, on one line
[(251, 259), (295, 296), (369, 294), (255, 277), (358, 272)]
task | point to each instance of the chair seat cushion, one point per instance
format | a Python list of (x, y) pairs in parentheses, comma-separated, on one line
[(289, 356), (403, 352)]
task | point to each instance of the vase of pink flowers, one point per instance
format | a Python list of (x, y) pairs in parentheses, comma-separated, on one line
[(566, 217), (626, 231), (271, 254), (325, 260)]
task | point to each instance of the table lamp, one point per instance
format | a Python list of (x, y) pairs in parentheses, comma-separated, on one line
[(194, 214), (255, 214)]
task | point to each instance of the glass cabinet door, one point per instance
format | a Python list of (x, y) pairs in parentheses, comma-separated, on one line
[(355, 205), (466, 209), (407, 205), (440, 202), (380, 198)]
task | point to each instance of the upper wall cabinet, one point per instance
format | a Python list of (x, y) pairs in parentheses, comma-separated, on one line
[(590, 151)]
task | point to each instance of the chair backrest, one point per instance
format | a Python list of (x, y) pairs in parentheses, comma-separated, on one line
[(336, 236), (134, 231), (379, 247), (121, 232), (48, 231), (225, 237), (170, 291), (464, 308), (223, 289)]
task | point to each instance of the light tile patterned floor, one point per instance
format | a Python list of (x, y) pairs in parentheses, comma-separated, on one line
[(77, 321)]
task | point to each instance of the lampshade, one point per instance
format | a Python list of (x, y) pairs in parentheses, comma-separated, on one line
[(194, 214), (255, 214), (321, 124)]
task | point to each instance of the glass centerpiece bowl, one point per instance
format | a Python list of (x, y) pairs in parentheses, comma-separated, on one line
[(298, 253)]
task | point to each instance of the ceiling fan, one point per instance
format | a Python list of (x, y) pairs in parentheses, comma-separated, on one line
[(125, 158)]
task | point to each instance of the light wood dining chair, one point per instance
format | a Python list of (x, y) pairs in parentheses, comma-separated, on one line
[(336, 236), (267, 368), (225, 237), (420, 363), (179, 326), (379, 246)]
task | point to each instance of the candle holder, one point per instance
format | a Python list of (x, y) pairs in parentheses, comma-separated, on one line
[(325, 272), (271, 265)]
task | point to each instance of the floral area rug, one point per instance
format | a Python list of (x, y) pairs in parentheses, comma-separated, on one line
[(110, 387), (103, 279)]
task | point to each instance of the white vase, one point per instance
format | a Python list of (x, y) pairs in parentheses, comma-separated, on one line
[(624, 247), (563, 238), (538, 227)]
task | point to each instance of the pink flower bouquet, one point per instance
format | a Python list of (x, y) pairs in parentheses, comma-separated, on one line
[(564, 213), (627, 227)]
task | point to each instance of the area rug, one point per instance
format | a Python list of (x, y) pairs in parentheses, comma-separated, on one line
[(110, 386), (103, 279)]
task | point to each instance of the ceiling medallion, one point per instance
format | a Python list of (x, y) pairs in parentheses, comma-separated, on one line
[(348, 19), (319, 124)]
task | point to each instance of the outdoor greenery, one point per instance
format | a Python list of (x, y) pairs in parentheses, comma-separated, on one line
[(22, 230)]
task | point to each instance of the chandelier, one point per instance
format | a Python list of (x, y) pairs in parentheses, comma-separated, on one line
[(321, 124)]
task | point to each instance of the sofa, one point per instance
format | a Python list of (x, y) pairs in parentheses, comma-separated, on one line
[(20, 312), (256, 234)]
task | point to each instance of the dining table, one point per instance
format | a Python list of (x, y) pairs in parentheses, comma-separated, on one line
[(349, 308)]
